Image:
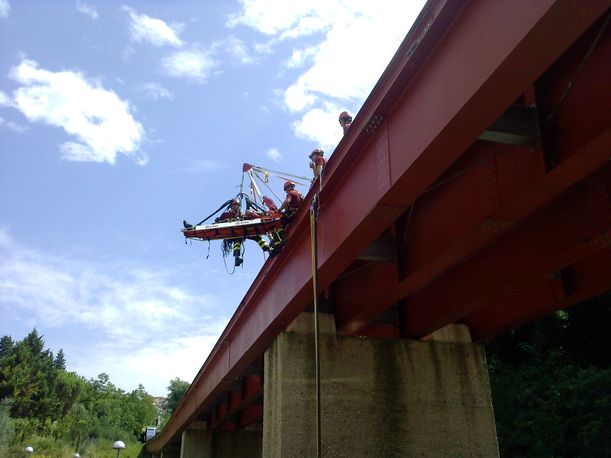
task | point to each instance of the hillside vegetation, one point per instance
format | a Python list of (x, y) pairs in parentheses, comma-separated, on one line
[(551, 389)]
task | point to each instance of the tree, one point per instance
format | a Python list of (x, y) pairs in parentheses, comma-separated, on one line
[(176, 391), (139, 410), (49, 401), (6, 346), (34, 342), (550, 384), (67, 390), (60, 360)]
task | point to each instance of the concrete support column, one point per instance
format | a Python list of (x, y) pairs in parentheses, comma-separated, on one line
[(379, 397), (170, 452), (200, 442), (196, 441), (238, 444)]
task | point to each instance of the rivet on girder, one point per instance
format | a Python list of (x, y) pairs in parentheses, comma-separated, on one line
[(374, 123)]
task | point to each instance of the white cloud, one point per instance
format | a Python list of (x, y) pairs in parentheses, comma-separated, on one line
[(13, 126), (100, 123), (134, 323), (4, 99), (289, 19), (300, 56), (350, 45), (87, 10), (298, 98), (321, 126), (274, 154), (156, 91), (5, 8), (238, 49), (265, 48), (151, 30), (193, 65)]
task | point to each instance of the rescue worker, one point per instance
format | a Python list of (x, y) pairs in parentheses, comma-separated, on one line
[(235, 245), (233, 212), (292, 202), (287, 210), (345, 120), (317, 162), (276, 236)]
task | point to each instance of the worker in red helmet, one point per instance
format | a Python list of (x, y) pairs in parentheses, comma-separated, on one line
[(231, 213), (345, 120), (287, 210), (317, 162), (292, 202), (234, 212)]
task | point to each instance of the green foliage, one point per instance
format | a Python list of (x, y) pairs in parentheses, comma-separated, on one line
[(550, 384), (60, 361), (176, 391), (47, 447), (7, 426), (59, 412)]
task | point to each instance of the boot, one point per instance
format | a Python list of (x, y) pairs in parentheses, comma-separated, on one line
[(187, 225), (238, 261)]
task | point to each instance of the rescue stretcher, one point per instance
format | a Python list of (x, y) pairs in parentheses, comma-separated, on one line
[(233, 229)]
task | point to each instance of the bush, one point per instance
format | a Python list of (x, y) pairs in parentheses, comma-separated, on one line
[(7, 426)]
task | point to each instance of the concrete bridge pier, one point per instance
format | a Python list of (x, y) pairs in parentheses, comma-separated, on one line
[(171, 451), (201, 442), (378, 397)]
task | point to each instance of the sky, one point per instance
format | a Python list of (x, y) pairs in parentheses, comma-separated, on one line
[(119, 119)]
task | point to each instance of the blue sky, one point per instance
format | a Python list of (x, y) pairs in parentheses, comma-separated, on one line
[(119, 119)]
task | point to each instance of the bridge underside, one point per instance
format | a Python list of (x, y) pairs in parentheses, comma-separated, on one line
[(473, 187)]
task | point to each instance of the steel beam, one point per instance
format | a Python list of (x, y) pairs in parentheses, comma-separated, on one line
[(517, 126), (589, 277), (487, 229), (575, 226), (455, 73)]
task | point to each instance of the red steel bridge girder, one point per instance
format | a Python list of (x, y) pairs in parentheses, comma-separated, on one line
[(586, 278), (430, 105), (477, 199), (575, 226)]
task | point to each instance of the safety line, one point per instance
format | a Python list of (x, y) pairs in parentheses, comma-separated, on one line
[(314, 248)]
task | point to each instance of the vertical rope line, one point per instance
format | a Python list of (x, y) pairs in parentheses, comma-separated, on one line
[(314, 248)]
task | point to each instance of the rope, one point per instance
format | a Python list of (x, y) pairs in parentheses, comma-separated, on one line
[(314, 249), (270, 189), (242, 185), (282, 175), (252, 204), (215, 212)]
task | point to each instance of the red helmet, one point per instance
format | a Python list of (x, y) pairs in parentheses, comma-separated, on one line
[(344, 117), (318, 152), (288, 184)]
